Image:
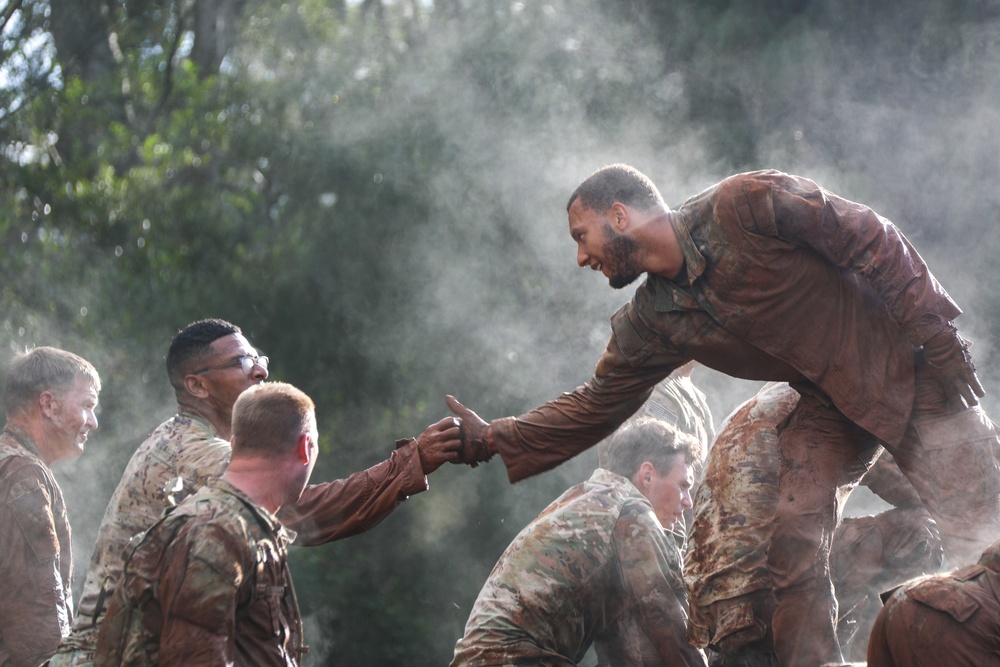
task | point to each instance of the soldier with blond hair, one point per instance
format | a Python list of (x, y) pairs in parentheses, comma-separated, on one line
[(50, 398), (208, 584)]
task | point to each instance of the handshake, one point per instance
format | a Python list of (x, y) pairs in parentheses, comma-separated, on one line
[(472, 433), (460, 439)]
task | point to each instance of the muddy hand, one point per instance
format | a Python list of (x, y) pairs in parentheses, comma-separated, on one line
[(948, 354), (474, 445), (440, 443)]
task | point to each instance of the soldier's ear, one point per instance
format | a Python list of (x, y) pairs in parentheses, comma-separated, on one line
[(643, 477), (195, 385), (304, 449), (619, 215), (45, 402)]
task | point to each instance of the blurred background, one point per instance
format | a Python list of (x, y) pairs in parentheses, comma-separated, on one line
[(375, 191)]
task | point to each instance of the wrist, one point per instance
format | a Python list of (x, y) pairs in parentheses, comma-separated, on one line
[(927, 328)]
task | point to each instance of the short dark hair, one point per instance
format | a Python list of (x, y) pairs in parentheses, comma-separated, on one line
[(268, 419), (43, 369), (649, 439), (191, 343), (617, 183)]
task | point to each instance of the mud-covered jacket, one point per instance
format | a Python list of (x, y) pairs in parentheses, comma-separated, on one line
[(944, 619), (782, 281), (36, 562), (206, 586)]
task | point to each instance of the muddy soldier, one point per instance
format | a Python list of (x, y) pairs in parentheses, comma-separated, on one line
[(50, 397), (596, 562), (768, 276), (947, 619), (725, 566), (678, 402), (209, 584), (210, 363)]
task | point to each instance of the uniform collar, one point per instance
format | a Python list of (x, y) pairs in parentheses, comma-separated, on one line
[(670, 295), (22, 438), (269, 519), (191, 415), (694, 261)]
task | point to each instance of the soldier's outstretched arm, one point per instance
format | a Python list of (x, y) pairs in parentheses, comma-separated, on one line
[(344, 507), (440, 443)]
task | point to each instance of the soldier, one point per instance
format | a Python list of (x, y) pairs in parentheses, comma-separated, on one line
[(209, 584), (768, 276), (595, 561), (946, 619), (210, 363), (729, 587), (50, 398)]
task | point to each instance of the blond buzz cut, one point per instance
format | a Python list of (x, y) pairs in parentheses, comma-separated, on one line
[(269, 418)]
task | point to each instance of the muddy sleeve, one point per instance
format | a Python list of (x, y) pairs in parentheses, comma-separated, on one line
[(33, 613), (542, 438), (345, 507), (198, 593), (651, 574), (888, 482)]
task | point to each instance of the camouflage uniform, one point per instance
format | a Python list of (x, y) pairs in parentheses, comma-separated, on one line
[(595, 556), (786, 281), (678, 402), (207, 586), (178, 458), (729, 586), (946, 619), (36, 562)]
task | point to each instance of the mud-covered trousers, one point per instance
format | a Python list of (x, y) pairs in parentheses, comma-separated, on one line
[(949, 454)]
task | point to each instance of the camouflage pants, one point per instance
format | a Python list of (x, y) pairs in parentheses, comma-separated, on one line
[(869, 554), (949, 454), (77, 650)]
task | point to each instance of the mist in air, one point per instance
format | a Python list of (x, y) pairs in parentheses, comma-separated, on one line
[(532, 104), (426, 251)]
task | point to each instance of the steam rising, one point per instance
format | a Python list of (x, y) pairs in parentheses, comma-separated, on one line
[(530, 101)]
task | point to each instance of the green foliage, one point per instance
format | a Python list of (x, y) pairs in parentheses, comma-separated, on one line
[(375, 192)]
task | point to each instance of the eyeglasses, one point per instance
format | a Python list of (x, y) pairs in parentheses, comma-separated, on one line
[(246, 363)]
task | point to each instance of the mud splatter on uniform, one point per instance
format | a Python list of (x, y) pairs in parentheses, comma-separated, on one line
[(36, 561), (729, 586), (785, 281), (947, 619)]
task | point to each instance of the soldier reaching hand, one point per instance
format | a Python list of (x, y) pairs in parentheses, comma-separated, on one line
[(210, 364), (209, 584), (768, 276)]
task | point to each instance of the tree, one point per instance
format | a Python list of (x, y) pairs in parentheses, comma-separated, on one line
[(375, 192)]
